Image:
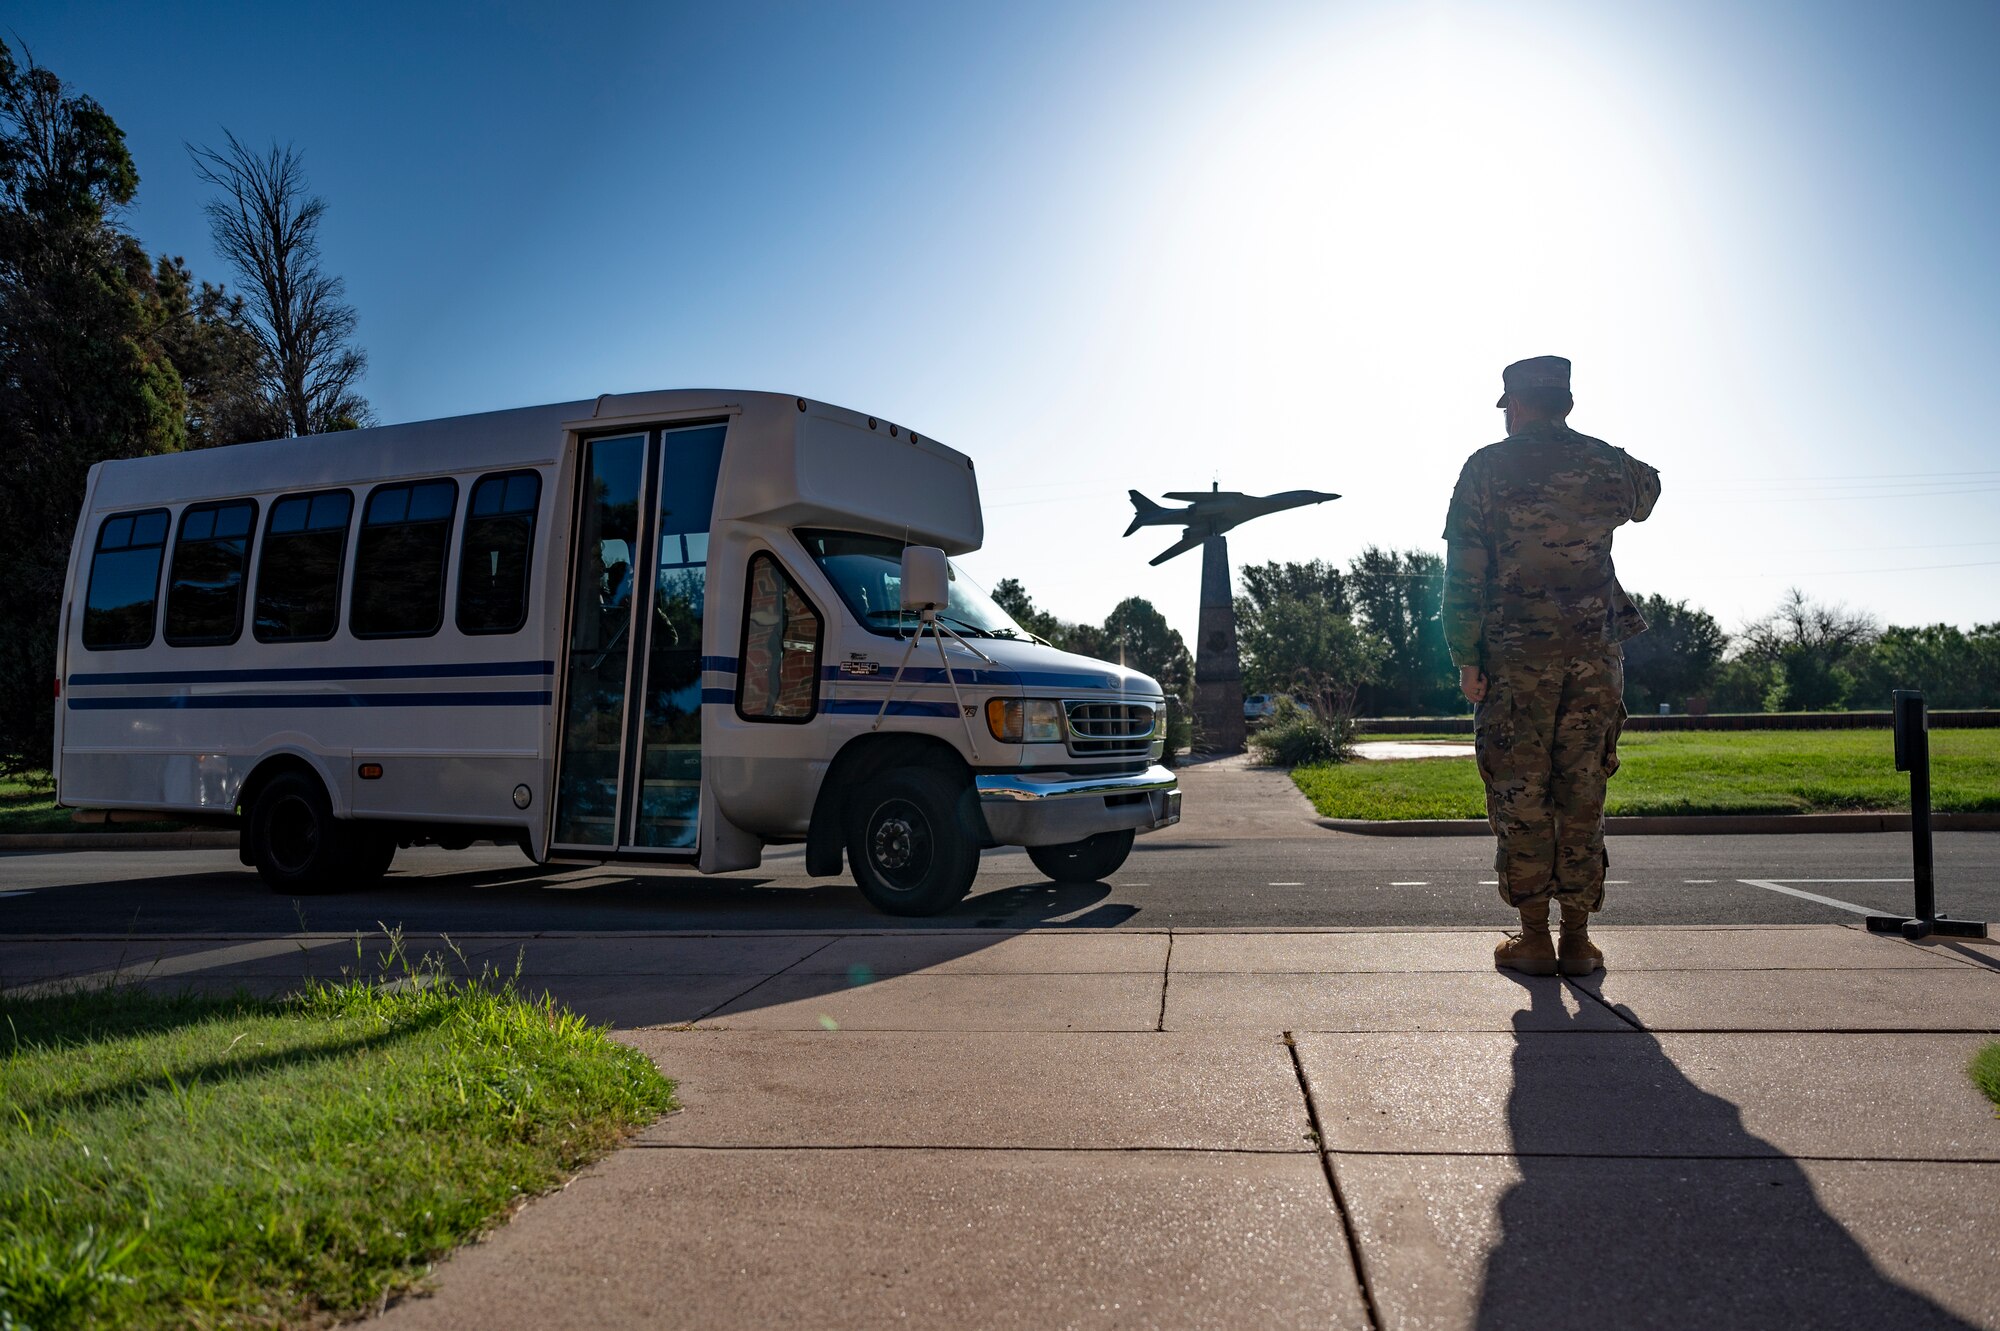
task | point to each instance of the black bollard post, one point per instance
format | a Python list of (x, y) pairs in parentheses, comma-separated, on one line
[(1913, 755)]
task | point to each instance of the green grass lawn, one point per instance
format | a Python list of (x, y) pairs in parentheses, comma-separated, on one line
[(1985, 1071), (28, 805), (1691, 772), (206, 1161)]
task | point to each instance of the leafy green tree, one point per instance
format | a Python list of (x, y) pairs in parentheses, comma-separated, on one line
[(1675, 659), (1400, 597), (1012, 597), (1741, 684), (82, 374), (1811, 645), (1137, 635), (1134, 633), (1303, 643), (1316, 581), (206, 333), (1952, 667)]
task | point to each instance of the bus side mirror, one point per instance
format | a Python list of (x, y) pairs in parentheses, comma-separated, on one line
[(926, 578)]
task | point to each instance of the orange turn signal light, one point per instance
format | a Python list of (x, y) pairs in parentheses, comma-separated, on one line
[(371, 771)]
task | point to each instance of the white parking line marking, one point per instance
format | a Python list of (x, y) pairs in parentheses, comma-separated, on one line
[(1284, 884), (1617, 882), (1697, 880), (1771, 886), (1417, 883), (1489, 882)]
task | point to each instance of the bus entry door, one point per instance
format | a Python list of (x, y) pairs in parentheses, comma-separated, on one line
[(629, 774)]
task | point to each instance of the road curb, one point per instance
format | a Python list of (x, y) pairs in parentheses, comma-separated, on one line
[(192, 839), (1686, 825)]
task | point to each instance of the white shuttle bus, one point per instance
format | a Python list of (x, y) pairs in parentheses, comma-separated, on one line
[(675, 627)]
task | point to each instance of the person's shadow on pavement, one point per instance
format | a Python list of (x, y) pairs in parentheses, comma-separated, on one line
[(1591, 1237)]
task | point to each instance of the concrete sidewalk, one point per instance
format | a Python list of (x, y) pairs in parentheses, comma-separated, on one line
[(1734, 1128)]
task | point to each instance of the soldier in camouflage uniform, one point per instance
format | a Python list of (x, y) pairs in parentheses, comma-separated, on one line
[(1534, 616)]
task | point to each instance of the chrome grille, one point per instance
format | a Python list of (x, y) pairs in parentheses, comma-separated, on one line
[(1109, 727)]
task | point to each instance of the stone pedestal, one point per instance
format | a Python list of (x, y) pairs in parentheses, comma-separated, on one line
[(1218, 671)]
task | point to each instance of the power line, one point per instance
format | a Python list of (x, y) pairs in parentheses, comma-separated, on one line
[(1851, 478)]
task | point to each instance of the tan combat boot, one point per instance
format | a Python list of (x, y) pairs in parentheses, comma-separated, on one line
[(1532, 951), (1578, 955)]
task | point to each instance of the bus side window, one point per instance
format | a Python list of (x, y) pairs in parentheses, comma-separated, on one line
[(124, 581), (493, 559), (778, 667), (298, 575), (399, 560), (205, 590)]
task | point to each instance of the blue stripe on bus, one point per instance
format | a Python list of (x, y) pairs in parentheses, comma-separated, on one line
[(301, 674), (976, 676), (852, 706), (724, 663), (208, 702), (900, 707)]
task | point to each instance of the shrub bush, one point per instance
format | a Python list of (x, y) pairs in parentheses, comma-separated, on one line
[(1295, 735)]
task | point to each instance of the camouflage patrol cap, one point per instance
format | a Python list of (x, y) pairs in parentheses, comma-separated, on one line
[(1535, 372)]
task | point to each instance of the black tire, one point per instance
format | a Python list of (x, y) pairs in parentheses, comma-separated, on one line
[(1091, 860), (911, 852), (299, 846), (372, 849)]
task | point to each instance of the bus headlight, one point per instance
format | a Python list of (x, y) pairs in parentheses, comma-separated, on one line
[(1024, 721)]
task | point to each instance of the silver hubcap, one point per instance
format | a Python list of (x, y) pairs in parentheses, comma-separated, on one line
[(894, 843)]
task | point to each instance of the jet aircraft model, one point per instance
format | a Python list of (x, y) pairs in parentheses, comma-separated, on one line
[(1211, 512)]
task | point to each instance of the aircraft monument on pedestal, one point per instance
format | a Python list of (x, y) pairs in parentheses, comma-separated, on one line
[(1218, 669)]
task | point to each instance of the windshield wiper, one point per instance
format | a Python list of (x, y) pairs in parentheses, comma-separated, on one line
[(969, 630)]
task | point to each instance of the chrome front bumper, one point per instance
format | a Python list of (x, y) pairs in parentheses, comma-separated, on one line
[(1022, 809)]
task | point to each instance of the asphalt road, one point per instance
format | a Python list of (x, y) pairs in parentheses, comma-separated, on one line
[(1172, 880)]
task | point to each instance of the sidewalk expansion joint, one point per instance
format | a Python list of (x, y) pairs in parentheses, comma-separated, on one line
[(1354, 1255), (1166, 978), (763, 980), (1625, 1017)]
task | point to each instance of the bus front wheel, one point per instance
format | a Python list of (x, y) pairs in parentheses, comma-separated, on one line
[(297, 844), (911, 855)]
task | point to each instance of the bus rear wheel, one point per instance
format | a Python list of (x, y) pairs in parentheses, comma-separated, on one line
[(297, 844), (1090, 860), (372, 848), (910, 854)]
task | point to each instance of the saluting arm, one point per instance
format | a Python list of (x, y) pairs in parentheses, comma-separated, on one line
[(1645, 487)]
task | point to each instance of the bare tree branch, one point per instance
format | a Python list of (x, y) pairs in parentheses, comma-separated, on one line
[(266, 225), (1799, 622)]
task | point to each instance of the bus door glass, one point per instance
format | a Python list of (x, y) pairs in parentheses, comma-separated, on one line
[(669, 773), (631, 775), (600, 642)]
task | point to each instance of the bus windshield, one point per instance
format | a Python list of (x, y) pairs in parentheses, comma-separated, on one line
[(867, 571)]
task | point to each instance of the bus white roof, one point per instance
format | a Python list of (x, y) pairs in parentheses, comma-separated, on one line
[(935, 501)]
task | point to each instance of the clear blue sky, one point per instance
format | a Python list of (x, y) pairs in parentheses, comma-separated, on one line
[(1153, 245)]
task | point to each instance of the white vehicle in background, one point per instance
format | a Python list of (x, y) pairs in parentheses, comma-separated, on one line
[(673, 627), (1261, 706)]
